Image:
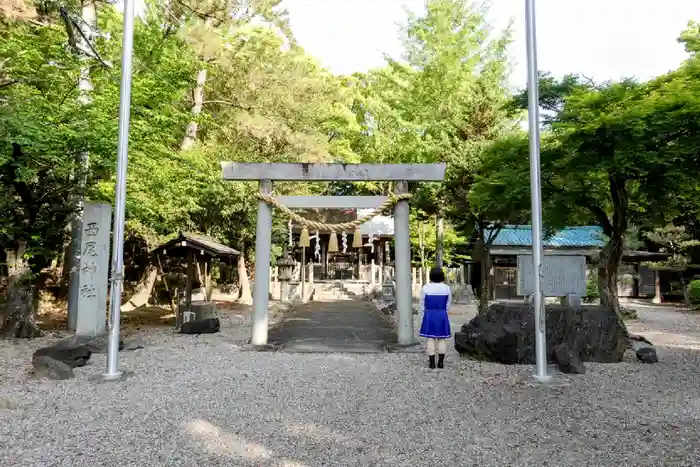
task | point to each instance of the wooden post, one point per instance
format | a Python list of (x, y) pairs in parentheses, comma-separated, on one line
[(301, 273), (359, 264), (657, 288), (208, 287), (189, 281)]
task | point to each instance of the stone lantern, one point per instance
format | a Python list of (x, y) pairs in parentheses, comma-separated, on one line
[(389, 289), (285, 267)]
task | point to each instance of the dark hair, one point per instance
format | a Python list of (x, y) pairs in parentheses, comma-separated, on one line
[(436, 275)]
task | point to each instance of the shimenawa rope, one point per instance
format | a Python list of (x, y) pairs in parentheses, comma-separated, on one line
[(333, 228)]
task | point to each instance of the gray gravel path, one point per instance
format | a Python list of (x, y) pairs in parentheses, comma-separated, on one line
[(353, 326), (203, 401)]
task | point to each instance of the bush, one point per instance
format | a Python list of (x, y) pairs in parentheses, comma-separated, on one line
[(693, 292), (592, 293)]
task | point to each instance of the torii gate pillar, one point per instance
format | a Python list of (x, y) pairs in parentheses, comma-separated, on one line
[(401, 174), (261, 292), (402, 262)]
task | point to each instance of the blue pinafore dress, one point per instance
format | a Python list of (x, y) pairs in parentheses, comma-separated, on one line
[(436, 324)]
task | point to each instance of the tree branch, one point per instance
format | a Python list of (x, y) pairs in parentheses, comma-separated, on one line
[(232, 104)]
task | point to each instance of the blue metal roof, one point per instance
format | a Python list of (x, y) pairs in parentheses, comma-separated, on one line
[(568, 237)]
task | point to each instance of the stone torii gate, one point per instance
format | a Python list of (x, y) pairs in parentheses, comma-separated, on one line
[(267, 173)]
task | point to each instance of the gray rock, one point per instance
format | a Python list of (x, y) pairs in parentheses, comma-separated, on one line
[(568, 359), (73, 356), (50, 368), (96, 344), (505, 333), (646, 353), (133, 343), (205, 326)]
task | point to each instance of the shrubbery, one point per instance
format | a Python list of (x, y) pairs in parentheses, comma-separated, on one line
[(592, 293), (693, 294)]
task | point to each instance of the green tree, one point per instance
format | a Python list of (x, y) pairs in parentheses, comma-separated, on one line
[(618, 154), (441, 101)]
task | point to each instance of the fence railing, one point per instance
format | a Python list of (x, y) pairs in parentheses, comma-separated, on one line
[(350, 271)]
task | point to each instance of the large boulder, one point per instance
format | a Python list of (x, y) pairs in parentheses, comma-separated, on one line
[(73, 356), (205, 326), (96, 344), (49, 368), (505, 333)]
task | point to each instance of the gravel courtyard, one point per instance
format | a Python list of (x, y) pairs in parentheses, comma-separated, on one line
[(205, 401)]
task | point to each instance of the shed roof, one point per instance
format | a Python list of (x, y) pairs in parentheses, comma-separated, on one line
[(195, 241), (568, 237)]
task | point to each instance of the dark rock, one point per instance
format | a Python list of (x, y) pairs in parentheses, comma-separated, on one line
[(50, 368), (646, 353), (636, 337), (204, 326), (96, 344), (568, 360), (505, 333), (133, 343), (74, 356), (389, 309)]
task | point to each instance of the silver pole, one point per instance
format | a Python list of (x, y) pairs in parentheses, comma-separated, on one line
[(112, 371), (536, 191)]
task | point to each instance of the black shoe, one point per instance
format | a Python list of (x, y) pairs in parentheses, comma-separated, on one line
[(441, 360), (431, 358)]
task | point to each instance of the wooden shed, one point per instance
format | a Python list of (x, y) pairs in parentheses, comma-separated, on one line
[(199, 251)]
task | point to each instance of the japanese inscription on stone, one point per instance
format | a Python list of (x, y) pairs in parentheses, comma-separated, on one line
[(94, 269), (561, 276)]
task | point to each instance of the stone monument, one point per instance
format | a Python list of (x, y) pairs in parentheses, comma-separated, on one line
[(94, 270)]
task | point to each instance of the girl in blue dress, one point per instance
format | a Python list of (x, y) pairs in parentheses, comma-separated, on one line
[(435, 298)]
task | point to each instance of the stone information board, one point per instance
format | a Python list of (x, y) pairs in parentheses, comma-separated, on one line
[(562, 276), (94, 269)]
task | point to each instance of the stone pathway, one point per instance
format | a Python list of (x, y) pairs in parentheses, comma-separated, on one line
[(344, 325)]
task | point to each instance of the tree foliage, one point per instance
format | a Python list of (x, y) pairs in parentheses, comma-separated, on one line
[(223, 80), (616, 154)]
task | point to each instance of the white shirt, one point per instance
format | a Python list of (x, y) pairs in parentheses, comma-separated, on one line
[(435, 288)]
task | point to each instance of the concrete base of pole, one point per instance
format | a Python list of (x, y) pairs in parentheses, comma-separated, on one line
[(543, 379), (111, 378)]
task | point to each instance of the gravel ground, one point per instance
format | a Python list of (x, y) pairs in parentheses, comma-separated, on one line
[(196, 401)]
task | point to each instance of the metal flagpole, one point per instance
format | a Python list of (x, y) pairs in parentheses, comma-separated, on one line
[(112, 371), (536, 191)]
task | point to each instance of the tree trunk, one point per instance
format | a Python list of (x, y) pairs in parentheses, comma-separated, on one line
[(686, 300), (608, 265), (144, 289), (439, 240), (484, 290), (208, 285), (480, 254), (244, 293), (22, 298), (657, 288), (3, 263), (85, 87), (198, 94)]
